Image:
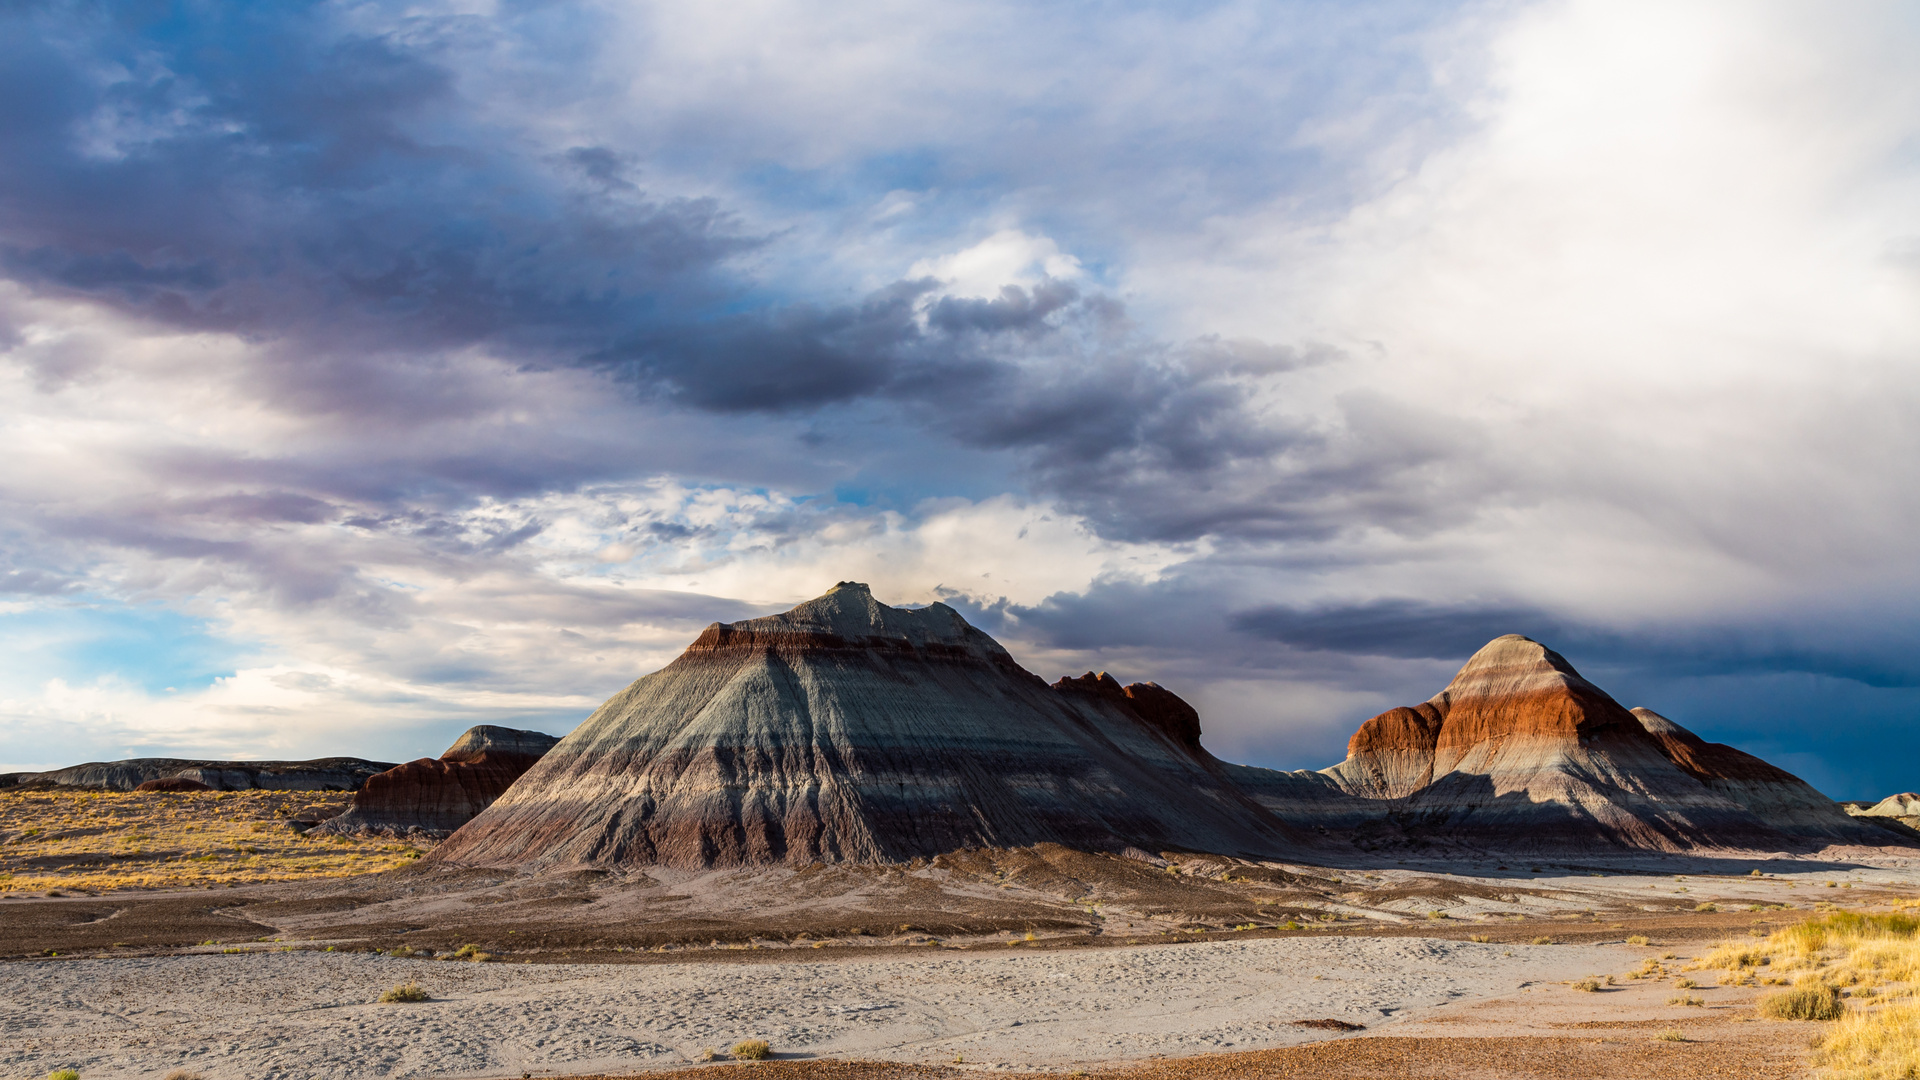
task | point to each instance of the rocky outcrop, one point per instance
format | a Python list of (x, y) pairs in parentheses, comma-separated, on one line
[(431, 797), (1521, 753), (848, 730), (320, 774), (179, 784), (1897, 813)]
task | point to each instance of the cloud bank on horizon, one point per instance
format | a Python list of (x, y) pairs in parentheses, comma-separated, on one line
[(374, 370)]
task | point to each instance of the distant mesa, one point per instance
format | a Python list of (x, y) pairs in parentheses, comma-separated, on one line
[(848, 730), (431, 797), (1521, 753), (319, 774)]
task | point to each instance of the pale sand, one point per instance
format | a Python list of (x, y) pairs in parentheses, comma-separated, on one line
[(303, 1014)]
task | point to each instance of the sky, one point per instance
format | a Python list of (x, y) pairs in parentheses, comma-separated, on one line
[(372, 370)]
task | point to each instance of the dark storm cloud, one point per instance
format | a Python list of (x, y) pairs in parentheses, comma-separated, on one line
[(330, 192), (1415, 629), (262, 168)]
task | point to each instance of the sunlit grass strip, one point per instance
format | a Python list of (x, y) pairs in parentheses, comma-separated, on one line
[(1841, 949), (1877, 1044), (93, 841)]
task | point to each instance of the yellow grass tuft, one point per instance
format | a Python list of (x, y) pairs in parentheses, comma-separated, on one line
[(64, 1074), (1804, 1003), (1638, 939), (1882, 1044), (406, 993), (752, 1050)]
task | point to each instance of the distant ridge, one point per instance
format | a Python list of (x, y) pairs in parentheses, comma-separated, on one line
[(848, 730), (319, 774)]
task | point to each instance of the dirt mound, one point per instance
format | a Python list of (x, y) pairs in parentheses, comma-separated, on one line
[(172, 783), (431, 797), (847, 730)]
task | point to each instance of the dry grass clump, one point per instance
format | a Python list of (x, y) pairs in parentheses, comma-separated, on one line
[(1883, 1044), (1480, 939), (752, 1050), (1841, 948), (1588, 985), (183, 1074), (1670, 1035), (64, 1074), (1688, 999), (471, 952), (90, 841), (407, 992), (1541, 941), (1638, 939), (1814, 1002), (1709, 906)]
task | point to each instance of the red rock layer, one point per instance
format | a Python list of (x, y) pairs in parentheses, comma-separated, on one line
[(1159, 708), (172, 783), (847, 730), (435, 796)]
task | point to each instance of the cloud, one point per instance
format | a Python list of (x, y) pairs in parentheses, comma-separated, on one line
[(445, 362)]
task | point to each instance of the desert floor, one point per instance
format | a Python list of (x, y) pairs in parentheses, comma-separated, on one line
[(255, 957), (312, 1014)]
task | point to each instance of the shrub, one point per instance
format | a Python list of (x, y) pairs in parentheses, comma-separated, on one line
[(1671, 1035), (406, 993), (752, 1050), (1479, 939), (1709, 906), (1684, 984), (1638, 939), (1542, 941), (64, 1074), (1686, 1000), (1588, 985), (1804, 1003)]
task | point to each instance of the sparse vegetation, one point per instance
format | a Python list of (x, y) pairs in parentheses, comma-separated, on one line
[(1881, 1044), (1708, 906), (92, 841), (1684, 984), (752, 1050), (470, 952), (64, 1074), (406, 993), (1687, 999), (183, 1074), (706, 1053), (1480, 939), (1812, 1002), (1588, 985), (1670, 1035), (1638, 939), (1541, 941)]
